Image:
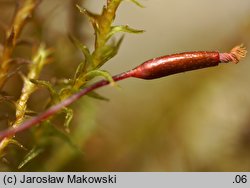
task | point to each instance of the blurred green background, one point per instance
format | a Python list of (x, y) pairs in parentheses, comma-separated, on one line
[(195, 121)]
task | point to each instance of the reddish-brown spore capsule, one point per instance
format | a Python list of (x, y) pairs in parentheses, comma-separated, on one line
[(176, 63)]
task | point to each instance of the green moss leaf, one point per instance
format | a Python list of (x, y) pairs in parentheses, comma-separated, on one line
[(109, 51), (15, 142), (42, 83), (137, 3), (29, 112), (84, 49), (92, 17), (34, 152), (92, 74), (49, 132), (85, 126), (68, 118), (79, 70), (123, 28), (96, 95)]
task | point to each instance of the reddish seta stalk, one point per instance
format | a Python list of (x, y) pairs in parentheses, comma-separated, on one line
[(151, 69)]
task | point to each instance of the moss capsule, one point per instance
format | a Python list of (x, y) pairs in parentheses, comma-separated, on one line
[(182, 62)]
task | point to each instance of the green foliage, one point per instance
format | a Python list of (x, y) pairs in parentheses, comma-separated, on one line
[(96, 95), (92, 74), (73, 144), (34, 152), (86, 53), (17, 143), (53, 93), (122, 28), (106, 52), (137, 3), (68, 117), (105, 48), (104, 30)]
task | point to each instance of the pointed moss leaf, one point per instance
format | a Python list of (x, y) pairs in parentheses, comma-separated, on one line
[(92, 17), (83, 48), (123, 28), (15, 142), (34, 152), (68, 118), (63, 81), (42, 83), (30, 113), (79, 70), (86, 12), (109, 51), (97, 96), (66, 91), (54, 132), (92, 74), (137, 3)]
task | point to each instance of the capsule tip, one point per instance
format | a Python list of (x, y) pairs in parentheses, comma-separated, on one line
[(238, 52), (235, 55)]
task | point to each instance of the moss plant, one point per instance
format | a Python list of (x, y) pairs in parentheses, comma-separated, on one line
[(38, 61), (12, 35), (79, 85), (104, 50)]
